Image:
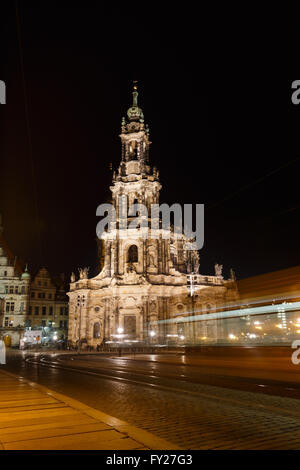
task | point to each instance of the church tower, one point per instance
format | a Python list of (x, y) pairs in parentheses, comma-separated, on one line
[(144, 280), (132, 254), (136, 182), (136, 187)]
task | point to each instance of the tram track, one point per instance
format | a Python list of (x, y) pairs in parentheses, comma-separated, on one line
[(191, 415), (45, 362)]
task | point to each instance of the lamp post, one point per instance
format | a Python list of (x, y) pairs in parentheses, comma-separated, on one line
[(192, 287), (80, 303)]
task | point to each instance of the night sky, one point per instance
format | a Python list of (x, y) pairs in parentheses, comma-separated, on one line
[(224, 130)]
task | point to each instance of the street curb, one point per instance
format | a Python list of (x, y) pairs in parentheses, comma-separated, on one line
[(144, 437)]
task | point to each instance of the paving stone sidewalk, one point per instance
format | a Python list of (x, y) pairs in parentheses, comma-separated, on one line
[(33, 417)]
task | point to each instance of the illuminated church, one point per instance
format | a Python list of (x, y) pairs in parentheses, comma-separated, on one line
[(146, 279)]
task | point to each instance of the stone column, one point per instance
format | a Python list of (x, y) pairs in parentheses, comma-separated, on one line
[(161, 326), (145, 312), (107, 258), (159, 263), (115, 310)]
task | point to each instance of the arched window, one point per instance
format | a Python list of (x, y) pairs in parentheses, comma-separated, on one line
[(132, 150), (135, 202), (133, 254), (96, 330)]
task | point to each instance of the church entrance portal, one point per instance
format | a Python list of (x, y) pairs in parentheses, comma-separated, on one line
[(130, 326)]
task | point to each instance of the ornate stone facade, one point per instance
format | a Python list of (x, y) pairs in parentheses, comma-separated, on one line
[(14, 294), (26, 302), (145, 276)]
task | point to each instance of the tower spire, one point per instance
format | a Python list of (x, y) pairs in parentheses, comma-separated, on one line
[(135, 93), (135, 140), (135, 113)]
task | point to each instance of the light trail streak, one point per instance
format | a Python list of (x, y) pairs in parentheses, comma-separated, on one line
[(268, 309)]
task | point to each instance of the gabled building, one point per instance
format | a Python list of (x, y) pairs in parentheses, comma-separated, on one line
[(48, 303)]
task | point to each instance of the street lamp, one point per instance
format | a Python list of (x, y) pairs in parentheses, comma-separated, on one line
[(192, 288), (80, 303)]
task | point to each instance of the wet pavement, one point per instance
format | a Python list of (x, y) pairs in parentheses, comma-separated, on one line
[(195, 406), (33, 417)]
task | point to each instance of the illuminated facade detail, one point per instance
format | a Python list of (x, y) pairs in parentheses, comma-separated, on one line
[(144, 279)]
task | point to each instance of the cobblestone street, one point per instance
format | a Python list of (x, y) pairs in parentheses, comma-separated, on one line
[(190, 415)]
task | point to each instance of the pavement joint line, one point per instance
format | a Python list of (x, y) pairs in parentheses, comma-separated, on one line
[(68, 434), (145, 438), (176, 390)]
